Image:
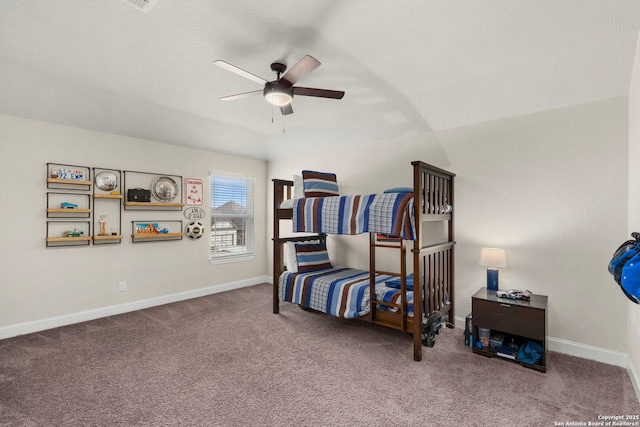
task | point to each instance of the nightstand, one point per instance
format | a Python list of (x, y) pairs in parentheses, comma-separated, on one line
[(518, 321)]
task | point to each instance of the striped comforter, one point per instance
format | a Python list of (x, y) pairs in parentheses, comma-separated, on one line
[(338, 291), (388, 213)]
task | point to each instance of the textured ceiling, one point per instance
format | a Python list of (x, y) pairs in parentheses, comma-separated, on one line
[(406, 67)]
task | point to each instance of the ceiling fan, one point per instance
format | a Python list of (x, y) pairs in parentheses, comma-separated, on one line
[(280, 91)]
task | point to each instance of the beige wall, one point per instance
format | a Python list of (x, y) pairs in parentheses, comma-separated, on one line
[(634, 207), (40, 283), (550, 188)]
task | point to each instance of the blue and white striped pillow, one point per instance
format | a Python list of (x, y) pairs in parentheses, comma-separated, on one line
[(319, 184), (312, 257)]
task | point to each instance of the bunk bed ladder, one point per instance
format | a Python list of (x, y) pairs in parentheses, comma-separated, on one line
[(396, 244)]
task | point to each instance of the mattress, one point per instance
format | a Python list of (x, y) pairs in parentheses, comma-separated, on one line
[(387, 213), (338, 291)]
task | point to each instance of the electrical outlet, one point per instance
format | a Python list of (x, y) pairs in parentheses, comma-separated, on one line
[(122, 286)]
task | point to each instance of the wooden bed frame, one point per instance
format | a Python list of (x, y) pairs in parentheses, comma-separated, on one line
[(433, 264)]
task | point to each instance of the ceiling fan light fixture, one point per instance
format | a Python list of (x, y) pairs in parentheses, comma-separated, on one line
[(278, 94)]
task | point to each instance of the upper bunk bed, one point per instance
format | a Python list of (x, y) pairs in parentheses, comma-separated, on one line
[(395, 220)]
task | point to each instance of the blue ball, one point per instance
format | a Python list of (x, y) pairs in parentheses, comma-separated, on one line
[(479, 344)]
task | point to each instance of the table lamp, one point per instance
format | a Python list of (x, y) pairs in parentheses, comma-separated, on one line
[(493, 258)]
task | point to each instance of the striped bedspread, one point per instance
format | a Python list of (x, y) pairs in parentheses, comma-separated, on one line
[(389, 213), (338, 291)]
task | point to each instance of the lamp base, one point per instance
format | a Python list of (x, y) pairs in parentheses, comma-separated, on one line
[(492, 279)]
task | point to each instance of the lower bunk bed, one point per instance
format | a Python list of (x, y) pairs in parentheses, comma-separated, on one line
[(381, 297), (340, 291)]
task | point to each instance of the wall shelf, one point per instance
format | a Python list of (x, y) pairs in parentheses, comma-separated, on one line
[(152, 205), (55, 201), (108, 237), (75, 181), (98, 195), (156, 236), (68, 181), (57, 233), (107, 196), (165, 190), (68, 239), (68, 177), (68, 211), (153, 231)]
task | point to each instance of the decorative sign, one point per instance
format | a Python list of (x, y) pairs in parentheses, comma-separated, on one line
[(194, 213), (194, 192)]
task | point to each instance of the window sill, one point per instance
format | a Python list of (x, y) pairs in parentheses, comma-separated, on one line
[(224, 259)]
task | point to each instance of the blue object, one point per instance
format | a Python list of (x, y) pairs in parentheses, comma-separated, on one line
[(395, 282), (530, 352), (505, 349), (399, 190), (625, 267), (479, 344), (492, 279)]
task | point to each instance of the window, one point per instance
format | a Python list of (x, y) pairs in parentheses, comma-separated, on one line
[(232, 201)]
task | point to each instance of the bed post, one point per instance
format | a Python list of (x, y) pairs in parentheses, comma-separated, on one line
[(452, 260), (281, 191), (418, 189), (372, 277), (277, 248)]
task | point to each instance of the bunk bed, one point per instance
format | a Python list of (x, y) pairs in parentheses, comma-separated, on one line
[(395, 221)]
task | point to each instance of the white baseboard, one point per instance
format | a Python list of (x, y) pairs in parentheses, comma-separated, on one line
[(577, 349), (635, 379), (585, 351), (83, 316)]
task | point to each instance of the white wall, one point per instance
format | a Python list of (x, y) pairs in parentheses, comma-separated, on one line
[(634, 209), (550, 188), (40, 283)]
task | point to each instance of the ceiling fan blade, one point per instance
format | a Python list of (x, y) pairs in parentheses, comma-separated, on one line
[(239, 71), (320, 93), (301, 69), (241, 95), (286, 109)]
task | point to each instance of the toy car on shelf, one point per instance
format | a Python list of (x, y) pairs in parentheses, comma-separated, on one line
[(514, 294), (67, 205), (74, 233)]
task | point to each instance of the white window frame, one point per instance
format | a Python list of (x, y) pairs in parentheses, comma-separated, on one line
[(217, 200)]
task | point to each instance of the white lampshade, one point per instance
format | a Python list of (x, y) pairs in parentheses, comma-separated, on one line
[(278, 94), (278, 98), (493, 257)]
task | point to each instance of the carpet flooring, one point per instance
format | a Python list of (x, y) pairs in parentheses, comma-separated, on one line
[(226, 360)]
